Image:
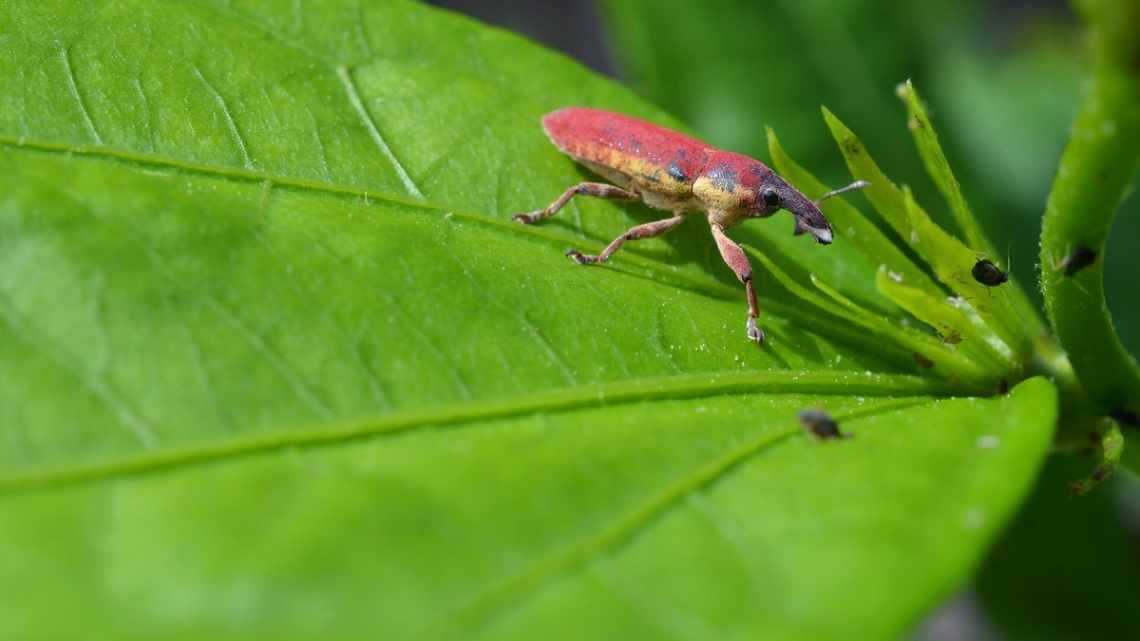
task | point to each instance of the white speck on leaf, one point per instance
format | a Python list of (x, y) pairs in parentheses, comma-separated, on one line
[(974, 518), (989, 441)]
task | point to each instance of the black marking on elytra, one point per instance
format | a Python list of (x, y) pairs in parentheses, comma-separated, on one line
[(723, 177), (677, 173)]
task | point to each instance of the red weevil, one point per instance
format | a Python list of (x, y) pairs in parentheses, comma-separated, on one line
[(671, 171)]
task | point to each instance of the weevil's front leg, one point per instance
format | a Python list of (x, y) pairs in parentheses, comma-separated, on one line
[(648, 230), (597, 190), (734, 257)]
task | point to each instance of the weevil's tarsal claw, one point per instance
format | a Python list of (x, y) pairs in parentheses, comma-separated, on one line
[(754, 333), (527, 218)]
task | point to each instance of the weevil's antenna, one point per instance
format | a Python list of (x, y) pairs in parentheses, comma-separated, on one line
[(858, 184)]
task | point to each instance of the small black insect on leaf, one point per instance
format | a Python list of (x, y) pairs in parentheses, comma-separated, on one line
[(1080, 258), (988, 274), (820, 425)]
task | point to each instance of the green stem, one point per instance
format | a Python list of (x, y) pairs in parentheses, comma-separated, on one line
[(1094, 175)]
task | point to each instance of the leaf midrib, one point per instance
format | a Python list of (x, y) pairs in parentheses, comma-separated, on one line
[(552, 401)]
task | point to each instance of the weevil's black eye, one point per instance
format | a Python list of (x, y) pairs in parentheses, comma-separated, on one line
[(771, 198)]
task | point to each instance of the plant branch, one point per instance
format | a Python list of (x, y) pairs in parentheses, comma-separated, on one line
[(1094, 175)]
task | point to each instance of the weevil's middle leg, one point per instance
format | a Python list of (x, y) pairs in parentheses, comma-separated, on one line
[(734, 257), (597, 190), (648, 230)]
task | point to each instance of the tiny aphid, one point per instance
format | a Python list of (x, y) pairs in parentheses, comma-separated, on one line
[(1080, 258), (671, 171), (820, 424), (988, 274)]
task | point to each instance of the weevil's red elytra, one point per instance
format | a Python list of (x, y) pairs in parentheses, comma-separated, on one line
[(674, 172)]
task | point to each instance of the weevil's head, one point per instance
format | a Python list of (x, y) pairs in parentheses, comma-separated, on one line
[(774, 194)]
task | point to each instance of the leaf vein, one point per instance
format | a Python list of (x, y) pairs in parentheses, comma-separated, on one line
[(345, 76), (73, 88), (459, 414), (97, 386), (299, 387), (235, 133)]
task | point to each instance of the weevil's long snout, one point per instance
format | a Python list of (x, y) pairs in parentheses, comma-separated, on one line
[(809, 219), (808, 216)]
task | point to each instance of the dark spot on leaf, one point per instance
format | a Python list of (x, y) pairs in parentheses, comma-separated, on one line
[(819, 424), (923, 361), (1128, 417), (852, 146), (1080, 258)]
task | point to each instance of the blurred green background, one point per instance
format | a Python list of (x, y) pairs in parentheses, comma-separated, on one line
[(1003, 81)]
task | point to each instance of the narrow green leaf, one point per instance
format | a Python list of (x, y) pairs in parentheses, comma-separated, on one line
[(953, 262), (948, 362), (930, 150), (849, 223), (954, 319), (950, 259), (884, 195)]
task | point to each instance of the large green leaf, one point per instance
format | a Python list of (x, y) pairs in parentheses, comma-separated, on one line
[(274, 363)]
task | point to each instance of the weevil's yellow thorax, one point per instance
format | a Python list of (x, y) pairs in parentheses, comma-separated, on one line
[(726, 201)]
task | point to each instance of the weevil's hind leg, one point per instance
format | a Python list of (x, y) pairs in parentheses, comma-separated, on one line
[(648, 230), (734, 257), (597, 190)]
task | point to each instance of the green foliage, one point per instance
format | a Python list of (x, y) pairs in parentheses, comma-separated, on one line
[(275, 363), (1095, 172), (1031, 591)]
